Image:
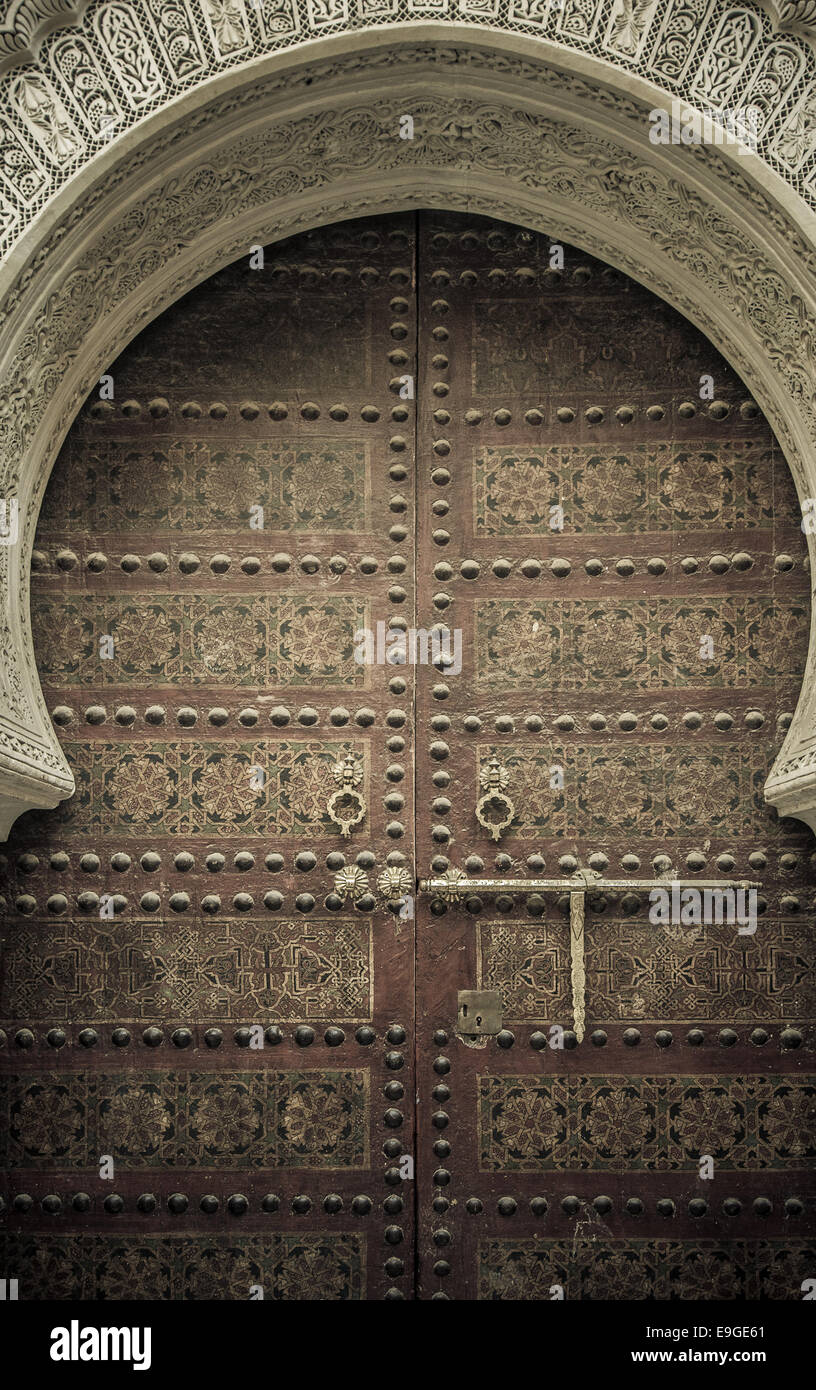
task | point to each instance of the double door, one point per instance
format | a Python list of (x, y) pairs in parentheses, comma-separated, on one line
[(418, 533)]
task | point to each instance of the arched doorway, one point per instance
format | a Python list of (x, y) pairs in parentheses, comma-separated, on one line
[(420, 421)]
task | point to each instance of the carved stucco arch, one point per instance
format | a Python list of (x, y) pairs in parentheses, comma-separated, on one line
[(496, 133), (75, 73)]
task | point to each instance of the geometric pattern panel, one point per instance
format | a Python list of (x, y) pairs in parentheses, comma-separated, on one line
[(191, 788), (652, 789), (116, 1268), (639, 645), (523, 346), (235, 1120), (639, 1269), (611, 491), (530, 1124), (705, 974), (228, 640), (220, 971), (211, 484)]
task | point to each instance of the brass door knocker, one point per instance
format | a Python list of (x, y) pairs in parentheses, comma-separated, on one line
[(494, 779), (348, 774)]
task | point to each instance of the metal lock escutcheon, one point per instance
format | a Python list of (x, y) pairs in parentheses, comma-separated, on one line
[(480, 1013)]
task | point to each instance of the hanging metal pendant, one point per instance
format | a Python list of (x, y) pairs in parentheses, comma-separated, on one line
[(349, 775), (494, 779)]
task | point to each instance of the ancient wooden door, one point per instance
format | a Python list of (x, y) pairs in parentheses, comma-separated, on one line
[(619, 546), (237, 963)]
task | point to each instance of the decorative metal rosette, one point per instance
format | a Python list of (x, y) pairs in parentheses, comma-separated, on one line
[(395, 882), (351, 882)]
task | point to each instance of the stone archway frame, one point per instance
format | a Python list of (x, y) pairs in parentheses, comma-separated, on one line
[(496, 133)]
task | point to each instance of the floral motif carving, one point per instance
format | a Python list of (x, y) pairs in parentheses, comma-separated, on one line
[(575, 644), (129, 50), (200, 1267), (271, 1119), (644, 1123), (601, 1268), (46, 118)]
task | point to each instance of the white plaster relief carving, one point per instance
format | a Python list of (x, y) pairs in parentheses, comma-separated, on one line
[(706, 50), (25, 175), (277, 19), (227, 26), (46, 117), (793, 14), (629, 26), (177, 38), (128, 48), (726, 57), (76, 65)]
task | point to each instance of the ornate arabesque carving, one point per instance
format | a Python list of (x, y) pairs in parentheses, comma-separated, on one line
[(23, 23), (105, 65), (793, 15), (566, 157)]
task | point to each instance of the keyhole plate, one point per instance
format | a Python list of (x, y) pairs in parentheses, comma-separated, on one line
[(479, 1013)]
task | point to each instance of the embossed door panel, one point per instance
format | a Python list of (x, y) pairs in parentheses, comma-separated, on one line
[(624, 562), (256, 1016), (237, 1032)]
